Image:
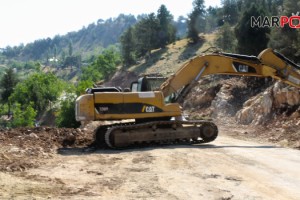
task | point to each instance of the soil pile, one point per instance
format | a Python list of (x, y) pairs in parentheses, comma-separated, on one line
[(24, 148)]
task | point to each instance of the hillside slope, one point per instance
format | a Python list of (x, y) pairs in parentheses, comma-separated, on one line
[(168, 60)]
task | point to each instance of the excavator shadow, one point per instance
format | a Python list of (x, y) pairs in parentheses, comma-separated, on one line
[(69, 151)]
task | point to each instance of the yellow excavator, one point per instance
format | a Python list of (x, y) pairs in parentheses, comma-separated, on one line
[(153, 102)]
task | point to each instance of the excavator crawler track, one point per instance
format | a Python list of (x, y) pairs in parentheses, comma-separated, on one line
[(126, 135)]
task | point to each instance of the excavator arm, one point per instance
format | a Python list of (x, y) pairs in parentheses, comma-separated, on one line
[(268, 64)]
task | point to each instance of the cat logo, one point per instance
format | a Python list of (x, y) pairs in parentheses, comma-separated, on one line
[(243, 68), (148, 109)]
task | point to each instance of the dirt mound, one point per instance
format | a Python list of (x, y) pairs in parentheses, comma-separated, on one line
[(24, 148), (284, 131)]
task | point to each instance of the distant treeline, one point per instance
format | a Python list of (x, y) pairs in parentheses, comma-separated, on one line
[(136, 36), (88, 41)]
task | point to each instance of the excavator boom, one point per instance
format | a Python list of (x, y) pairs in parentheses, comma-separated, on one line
[(268, 64)]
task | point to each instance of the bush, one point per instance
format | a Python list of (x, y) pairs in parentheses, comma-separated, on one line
[(39, 88), (23, 117), (66, 114)]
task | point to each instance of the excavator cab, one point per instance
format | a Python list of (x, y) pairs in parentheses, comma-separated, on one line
[(147, 83), (151, 83)]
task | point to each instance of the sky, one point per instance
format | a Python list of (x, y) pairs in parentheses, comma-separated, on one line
[(23, 21)]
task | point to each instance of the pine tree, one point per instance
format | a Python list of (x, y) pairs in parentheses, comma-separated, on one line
[(226, 40), (251, 40), (167, 31), (230, 11), (196, 23), (146, 35), (128, 47), (213, 18), (70, 48), (8, 83), (287, 40), (181, 27)]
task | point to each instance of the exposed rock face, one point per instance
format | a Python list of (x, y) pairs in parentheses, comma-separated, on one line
[(256, 109), (201, 97), (220, 104), (234, 97), (222, 95), (285, 95), (263, 106)]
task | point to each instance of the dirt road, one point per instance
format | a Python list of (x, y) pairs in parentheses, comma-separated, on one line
[(225, 169)]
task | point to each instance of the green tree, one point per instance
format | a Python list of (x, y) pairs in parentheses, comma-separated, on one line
[(251, 41), (146, 34), (226, 39), (7, 84), (66, 114), (103, 67), (128, 47), (3, 109), (151, 32), (83, 85), (70, 48), (287, 40), (63, 56), (107, 62), (196, 22), (40, 89), (230, 11), (90, 73), (72, 61), (23, 116), (167, 31), (181, 27), (55, 51), (274, 6), (212, 19)]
